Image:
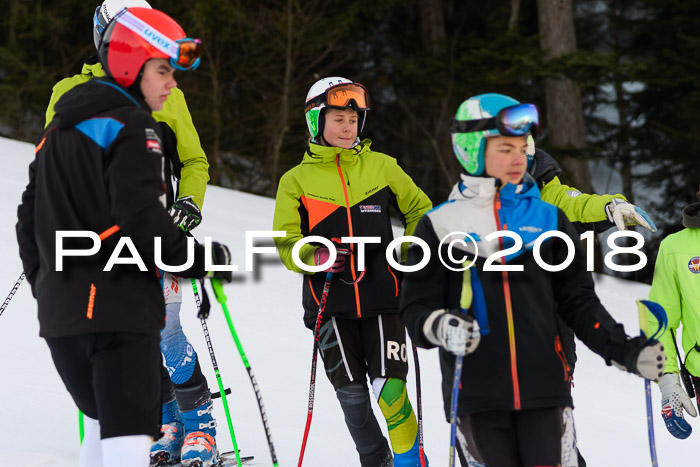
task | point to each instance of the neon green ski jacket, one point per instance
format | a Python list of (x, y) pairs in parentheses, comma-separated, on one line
[(338, 193), (676, 287), (195, 171)]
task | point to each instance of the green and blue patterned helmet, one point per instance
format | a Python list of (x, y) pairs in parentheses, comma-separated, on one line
[(476, 119)]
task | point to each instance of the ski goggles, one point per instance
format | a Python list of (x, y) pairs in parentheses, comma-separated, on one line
[(342, 96), (184, 53), (516, 120)]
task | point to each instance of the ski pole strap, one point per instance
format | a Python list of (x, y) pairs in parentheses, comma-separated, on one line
[(658, 312), (205, 308), (473, 298)]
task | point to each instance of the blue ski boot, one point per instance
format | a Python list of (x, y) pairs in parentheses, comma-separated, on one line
[(166, 450), (200, 448)]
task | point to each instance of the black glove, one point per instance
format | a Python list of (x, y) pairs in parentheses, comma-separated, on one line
[(220, 257), (185, 213), (643, 358)]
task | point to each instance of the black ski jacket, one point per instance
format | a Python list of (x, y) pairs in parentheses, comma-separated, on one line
[(520, 363), (99, 167)]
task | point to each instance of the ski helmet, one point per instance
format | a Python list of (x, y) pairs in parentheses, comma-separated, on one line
[(106, 13), (337, 93), (488, 115), (137, 35)]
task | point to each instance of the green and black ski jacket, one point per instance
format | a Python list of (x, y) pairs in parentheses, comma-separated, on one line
[(337, 193)]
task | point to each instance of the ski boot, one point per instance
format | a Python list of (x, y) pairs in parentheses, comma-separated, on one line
[(200, 448), (166, 450)]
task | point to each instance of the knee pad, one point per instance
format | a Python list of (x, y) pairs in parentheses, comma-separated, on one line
[(363, 426), (354, 400)]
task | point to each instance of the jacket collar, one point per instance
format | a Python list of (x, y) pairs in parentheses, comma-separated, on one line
[(317, 153), (485, 188), (691, 216)]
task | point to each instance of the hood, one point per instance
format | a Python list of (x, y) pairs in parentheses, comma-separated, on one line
[(691, 216), (93, 67), (92, 98), (319, 154)]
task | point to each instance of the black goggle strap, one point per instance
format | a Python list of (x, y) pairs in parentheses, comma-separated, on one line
[(470, 126)]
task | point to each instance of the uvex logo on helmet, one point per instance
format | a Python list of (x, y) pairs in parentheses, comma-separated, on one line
[(156, 38)]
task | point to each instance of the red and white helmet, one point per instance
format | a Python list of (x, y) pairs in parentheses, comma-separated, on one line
[(137, 35), (106, 13)]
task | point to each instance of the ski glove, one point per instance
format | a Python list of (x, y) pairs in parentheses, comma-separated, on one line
[(673, 401), (221, 256), (322, 254), (642, 358), (456, 332), (623, 214), (185, 213)]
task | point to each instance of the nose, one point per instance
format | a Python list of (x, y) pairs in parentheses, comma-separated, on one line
[(171, 83)]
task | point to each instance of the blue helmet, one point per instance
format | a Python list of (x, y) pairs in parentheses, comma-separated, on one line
[(469, 145)]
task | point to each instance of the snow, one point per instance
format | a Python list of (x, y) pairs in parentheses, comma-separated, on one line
[(40, 423)]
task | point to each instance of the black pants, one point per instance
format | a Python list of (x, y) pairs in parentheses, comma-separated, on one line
[(523, 438), (114, 378)]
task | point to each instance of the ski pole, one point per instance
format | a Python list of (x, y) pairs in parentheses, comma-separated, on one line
[(472, 298), (419, 406), (314, 358), (221, 298), (12, 293), (203, 310), (658, 312)]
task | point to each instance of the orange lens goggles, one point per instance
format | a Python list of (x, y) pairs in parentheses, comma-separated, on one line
[(188, 54), (344, 95)]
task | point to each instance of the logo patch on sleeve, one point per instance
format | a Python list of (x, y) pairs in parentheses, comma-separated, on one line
[(370, 208), (694, 265), (153, 143)]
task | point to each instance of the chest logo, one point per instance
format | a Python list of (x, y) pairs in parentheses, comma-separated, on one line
[(694, 265), (370, 208)]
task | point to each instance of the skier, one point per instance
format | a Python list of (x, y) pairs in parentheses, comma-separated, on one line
[(343, 188), (676, 287), (189, 400), (515, 395), (99, 168)]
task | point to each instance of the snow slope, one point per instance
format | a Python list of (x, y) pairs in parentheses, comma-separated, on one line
[(39, 420)]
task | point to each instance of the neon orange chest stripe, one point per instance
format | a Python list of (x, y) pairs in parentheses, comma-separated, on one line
[(352, 257)]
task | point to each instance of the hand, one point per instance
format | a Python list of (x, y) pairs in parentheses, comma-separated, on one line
[(673, 401), (221, 256), (185, 213), (643, 358), (623, 214), (456, 332), (322, 254)]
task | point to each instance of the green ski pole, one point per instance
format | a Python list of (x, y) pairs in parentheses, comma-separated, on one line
[(221, 298), (202, 314)]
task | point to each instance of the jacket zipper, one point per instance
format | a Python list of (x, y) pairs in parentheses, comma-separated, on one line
[(509, 310), (352, 257), (559, 349)]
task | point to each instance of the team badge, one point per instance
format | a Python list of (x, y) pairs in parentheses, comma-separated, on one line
[(694, 265)]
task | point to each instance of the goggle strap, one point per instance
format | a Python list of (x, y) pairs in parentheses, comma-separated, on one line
[(470, 126)]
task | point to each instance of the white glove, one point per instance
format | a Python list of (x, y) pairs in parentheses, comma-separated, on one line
[(456, 332), (623, 214), (673, 401)]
